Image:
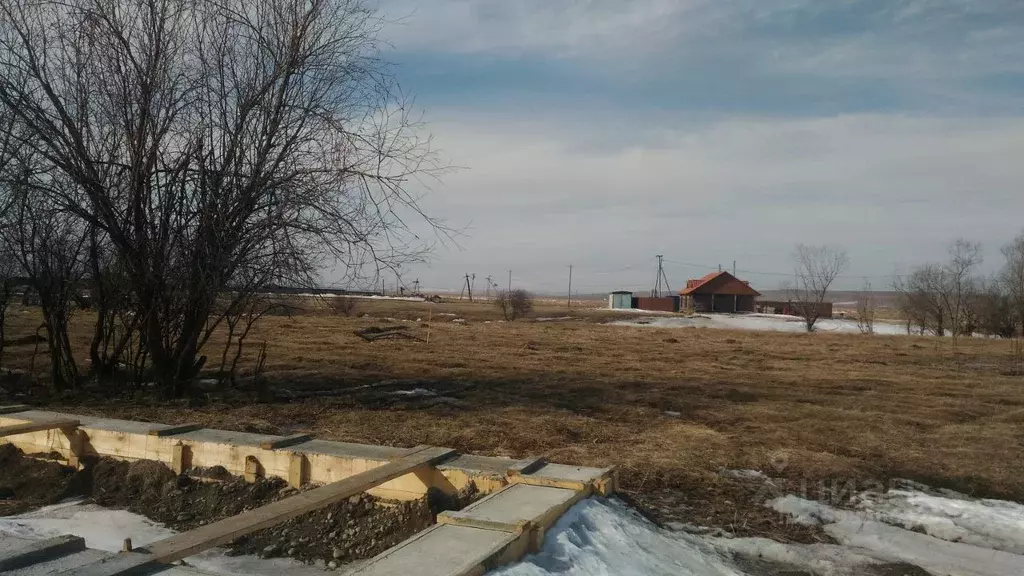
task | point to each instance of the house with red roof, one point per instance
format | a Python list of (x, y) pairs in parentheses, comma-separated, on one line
[(719, 292)]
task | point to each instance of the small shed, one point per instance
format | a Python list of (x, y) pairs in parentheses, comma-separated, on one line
[(719, 292), (620, 300)]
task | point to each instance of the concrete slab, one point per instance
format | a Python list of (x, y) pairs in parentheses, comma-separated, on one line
[(442, 550), (521, 502), (61, 564), (570, 473), (347, 450), (27, 552), (473, 463), (110, 424), (224, 437)]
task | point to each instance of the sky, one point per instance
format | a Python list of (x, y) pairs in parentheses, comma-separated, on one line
[(600, 133)]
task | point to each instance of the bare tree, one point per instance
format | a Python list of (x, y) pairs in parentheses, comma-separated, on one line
[(8, 272), (816, 269), (514, 303), (1012, 278), (993, 309), (204, 139), (959, 284), (922, 298), (47, 245), (867, 309)]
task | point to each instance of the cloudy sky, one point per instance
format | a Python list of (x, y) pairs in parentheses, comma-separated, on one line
[(602, 132)]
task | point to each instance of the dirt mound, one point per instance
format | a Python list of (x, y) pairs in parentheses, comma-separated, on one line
[(27, 483)]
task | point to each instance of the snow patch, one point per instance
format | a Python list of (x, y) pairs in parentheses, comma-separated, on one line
[(949, 534), (758, 322), (604, 538), (105, 529)]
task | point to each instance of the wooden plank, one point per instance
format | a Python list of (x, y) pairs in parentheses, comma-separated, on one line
[(218, 533), (14, 408), (285, 441), (37, 426), (179, 429)]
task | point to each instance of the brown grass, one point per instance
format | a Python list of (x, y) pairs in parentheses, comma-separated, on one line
[(669, 406)]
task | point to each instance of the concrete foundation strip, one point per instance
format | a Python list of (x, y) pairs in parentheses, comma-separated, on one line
[(464, 519), (172, 430), (40, 551), (285, 441), (218, 533), (525, 466), (38, 426)]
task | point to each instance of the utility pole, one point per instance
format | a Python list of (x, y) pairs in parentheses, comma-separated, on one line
[(661, 277), (569, 300), (467, 287), (733, 267), (509, 280)]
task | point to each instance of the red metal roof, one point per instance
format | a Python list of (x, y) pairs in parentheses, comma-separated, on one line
[(696, 285)]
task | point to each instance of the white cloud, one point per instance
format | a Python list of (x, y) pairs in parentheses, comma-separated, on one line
[(892, 189)]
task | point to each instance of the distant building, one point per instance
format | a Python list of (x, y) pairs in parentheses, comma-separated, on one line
[(620, 300), (719, 292)]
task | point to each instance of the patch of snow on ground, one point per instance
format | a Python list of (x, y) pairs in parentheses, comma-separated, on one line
[(105, 529), (966, 537), (961, 536), (761, 322), (554, 319), (605, 538)]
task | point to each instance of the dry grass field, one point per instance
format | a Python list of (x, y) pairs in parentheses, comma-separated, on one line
[(671, 407)]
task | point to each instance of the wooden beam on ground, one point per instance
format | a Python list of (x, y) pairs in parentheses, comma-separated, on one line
[(14, 408), (171, 431), (285, 441), (224, 531), (37, 426)]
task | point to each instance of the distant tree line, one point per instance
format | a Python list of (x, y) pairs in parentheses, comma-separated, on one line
[(178, 158), (951, 298)]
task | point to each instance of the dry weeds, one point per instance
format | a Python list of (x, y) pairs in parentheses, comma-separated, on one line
[(671, 407)]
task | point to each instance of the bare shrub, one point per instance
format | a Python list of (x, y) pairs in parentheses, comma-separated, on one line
[(343, 305), (816, 269), (867, 309), (514, 303)]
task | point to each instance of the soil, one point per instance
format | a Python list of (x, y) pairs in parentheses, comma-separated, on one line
[(27, 483), (727, 507), (357, 528)]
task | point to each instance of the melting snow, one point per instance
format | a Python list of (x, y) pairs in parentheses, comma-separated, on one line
[(963, 537), (762, 322), (948, 534), (604, 538)]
